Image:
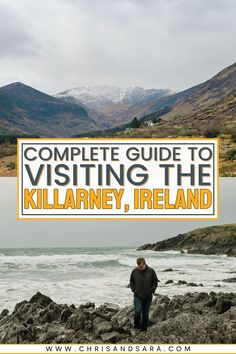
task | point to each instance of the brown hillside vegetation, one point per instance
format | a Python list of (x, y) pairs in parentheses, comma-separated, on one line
[(206, 110)]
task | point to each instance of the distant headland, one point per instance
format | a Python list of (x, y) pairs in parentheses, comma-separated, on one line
[(212, 240)]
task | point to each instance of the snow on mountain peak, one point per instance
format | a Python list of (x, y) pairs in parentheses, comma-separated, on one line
[(98, 95)]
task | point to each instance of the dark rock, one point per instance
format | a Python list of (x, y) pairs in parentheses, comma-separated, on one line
[(88, 305), (231, 252), (192, 284), (101, 326), (182, 282), (213, 293), (158, 313), (20, 306), (123, 319), (4, 313), (106, 311), (169, 281), (30, 320), (192, 328), (190, 318), (223, 305), (41, 299), (147, 246), (201, 297), (230, 314), (51, 333), (66, 313), (19, 333), (230, 280), (168, 270), (51, 313), (163, 299), (211, 302), (233, 301), (76, 321)]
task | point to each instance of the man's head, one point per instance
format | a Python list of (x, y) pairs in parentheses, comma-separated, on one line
[(141, 263)]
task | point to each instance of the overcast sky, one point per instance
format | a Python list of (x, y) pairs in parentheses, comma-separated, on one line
[(58, 44), (77, 233)]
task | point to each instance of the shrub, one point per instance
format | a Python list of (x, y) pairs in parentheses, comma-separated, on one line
[(135, 123), (11, 165), (231, 154), (211, 132), (233, 134)]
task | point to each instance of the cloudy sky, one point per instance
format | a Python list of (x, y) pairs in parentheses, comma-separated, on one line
[(58, 44), (77, 233)]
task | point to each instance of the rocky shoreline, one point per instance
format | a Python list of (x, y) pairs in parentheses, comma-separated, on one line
[(190, 318), (212, 240)]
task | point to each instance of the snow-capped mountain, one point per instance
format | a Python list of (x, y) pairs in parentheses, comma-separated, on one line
[(98, 97), (111, 105)]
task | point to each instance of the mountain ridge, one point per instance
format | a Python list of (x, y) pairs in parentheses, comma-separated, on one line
[(25, 110), (213, 101), (210, 105), (113, 94), (117, 105)]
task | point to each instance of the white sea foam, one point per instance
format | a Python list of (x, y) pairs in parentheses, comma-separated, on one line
[(101, 275)]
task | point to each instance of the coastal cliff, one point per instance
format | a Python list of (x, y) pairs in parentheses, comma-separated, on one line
[(213, 240), (190, 318)]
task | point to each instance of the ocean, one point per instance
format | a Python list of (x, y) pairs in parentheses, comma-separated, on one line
[(78, 275)]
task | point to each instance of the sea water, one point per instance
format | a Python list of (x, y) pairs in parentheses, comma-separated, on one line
[(79, 275)]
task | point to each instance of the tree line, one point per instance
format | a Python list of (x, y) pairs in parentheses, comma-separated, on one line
[(12, 138)]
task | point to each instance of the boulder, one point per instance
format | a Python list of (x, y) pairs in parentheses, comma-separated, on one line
[(101, 326), (223, 305), (111, 307), (41, 299), (4, 313), (182, 282), (65, 314), (111, 337), (51, 313), (76, 321)]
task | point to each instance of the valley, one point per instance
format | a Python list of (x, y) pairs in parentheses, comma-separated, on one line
[(206, 110)]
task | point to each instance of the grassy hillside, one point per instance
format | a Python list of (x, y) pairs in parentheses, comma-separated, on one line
[(208, 240), (24, 110)]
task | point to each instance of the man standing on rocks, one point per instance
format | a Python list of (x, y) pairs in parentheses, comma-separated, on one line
[(143, 283)]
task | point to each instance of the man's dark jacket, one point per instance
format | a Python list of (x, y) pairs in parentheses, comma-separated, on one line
[(143, 282)]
